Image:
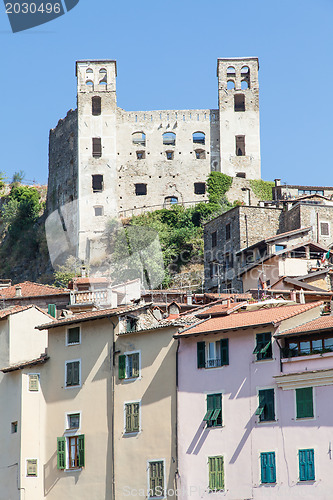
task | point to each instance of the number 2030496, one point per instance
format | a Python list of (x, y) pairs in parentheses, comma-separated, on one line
[(33, 8)]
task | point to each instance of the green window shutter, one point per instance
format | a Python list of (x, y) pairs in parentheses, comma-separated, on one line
[(208, 415), (306, 465), (201, 354), (81, 450), (76, 373), (135, 361), (122, 366), (302, 465), (304, 402), (263, 348), (135, 411), (224, 351), (268, 468), (156, 478), (69, 374), (52, 310), (128, 417), (212, 475), (266, 408), (310, 461), (61, 453), (219, 473)]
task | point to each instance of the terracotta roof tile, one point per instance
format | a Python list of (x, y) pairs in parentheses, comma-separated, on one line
[(322, 323), (247, 319), (92, 315), (30, 289), (4, 313), (221, 309), (19, 366)]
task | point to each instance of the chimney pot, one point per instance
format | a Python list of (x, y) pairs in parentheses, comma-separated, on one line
[(18, 291)]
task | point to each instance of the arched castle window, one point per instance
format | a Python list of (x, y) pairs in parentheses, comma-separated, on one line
[(170, 200), (139, 138), (245, 76), (89, 70), (198, 138), (231, 71), (239, 102), (96, 104), (103, 79), (169, 139), (230, 84), (244, 85), (90, 83)]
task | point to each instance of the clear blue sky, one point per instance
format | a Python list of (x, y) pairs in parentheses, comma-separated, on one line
[(166, 55)]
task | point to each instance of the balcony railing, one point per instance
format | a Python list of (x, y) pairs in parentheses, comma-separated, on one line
[(294, 353), (91, 297), (213, 363)]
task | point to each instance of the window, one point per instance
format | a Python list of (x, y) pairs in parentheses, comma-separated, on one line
[(75, 452), (131, 324), (231, 71), (97, 147), (32, 467), (230, 85), (33, 382), (278, 248), (96, 105), (198, 138), (324, 229), (266, 408), (98, 211), (140, 155), (214, 239), (199, 188), (169, 155), (200, 154), (140, 189), (213, 416), (239, 102), (13, 427), (216, 473), (213, 354), (228, 231), (306, 465), (156, 479), (304, 402), (72, 373), (103, 80), (73, 421), (169, 139), (268, 469), (73, 335), (129, 365), (132, 423), (240, 145), (52, 310), (97, 183), (303, 346), (170, 200), (263, 348), (139, 138)]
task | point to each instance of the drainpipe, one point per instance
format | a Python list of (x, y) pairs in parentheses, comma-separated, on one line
[(176, 430), (112, 362), (247, 234), (317, 227)]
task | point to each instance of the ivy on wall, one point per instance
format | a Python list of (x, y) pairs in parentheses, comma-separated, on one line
[(217, 186), (262, 189)]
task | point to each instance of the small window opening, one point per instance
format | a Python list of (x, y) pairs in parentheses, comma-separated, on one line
[(170, 200), (239, 102), (231, 71), (139, 138), (200, 154), (199, 188), (140, 155), (96, 104), (89, 83), (14, 427), (98, 211), (140, 189), (244, 85), (240, 145), (169, 155), (241, 174), (198, 138), (230, 84), (169, 139), (89, 70), (74, 421), (245, 75), (97, 183), (97, 147), (103, 77)]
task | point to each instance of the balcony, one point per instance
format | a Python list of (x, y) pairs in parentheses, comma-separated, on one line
[(213, 363)]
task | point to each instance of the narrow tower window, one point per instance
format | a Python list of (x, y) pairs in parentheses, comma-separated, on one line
[(239, 102), (97, 183), (231, 71), (97, 147), (198, 138), (103, 79), (96, 103), (240, 145)]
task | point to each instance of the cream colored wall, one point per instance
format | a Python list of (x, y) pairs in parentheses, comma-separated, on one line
[(156, 391), (26, 342), (92, 399)]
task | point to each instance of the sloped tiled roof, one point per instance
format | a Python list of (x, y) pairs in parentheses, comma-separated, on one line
[(30, 289), (248, 319), (221, 309), (322, 323), (19, 366), (4, 313), (92, 315)]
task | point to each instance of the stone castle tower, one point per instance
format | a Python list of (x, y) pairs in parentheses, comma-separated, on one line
[(106, 162)]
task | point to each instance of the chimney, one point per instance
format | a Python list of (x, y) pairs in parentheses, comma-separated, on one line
[(277, 182), (228, 303), (18, 291), (83, 272), (189, 297)]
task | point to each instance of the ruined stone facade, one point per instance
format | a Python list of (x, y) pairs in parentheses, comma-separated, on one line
[(106, 162)]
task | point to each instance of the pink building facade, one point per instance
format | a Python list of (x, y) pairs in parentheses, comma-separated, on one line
[(255, 405)]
